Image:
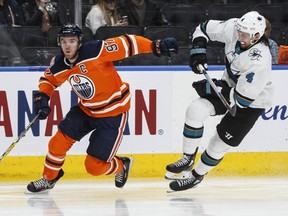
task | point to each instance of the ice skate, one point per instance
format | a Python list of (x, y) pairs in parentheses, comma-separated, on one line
[(181, 169), (43, 185), (185, 184), (121, 178)]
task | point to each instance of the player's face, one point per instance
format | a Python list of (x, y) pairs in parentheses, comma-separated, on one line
[(69, 46), (244, 39)]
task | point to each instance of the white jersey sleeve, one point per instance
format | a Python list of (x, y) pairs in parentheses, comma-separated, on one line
[(215, 30)]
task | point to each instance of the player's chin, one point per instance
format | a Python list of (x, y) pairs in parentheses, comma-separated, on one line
[(68, 55)]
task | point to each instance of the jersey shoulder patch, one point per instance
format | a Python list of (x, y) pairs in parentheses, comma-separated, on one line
[(255, 54)]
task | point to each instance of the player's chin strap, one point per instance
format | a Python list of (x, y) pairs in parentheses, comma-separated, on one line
[(231, 110)]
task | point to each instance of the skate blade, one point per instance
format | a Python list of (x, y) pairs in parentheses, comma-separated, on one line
[(131, 163), (177, 176), (171, 191), (27, 192), (174, 191)]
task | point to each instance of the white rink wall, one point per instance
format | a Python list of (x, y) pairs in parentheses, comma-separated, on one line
[(160, 96)]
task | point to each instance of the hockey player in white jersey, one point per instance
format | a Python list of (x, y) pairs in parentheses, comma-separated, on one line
[(246, 84)]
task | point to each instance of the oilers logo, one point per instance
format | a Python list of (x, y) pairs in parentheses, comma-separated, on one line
[(82, 86)]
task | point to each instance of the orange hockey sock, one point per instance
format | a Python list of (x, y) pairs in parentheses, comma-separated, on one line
[(59, 144), (98, 167)]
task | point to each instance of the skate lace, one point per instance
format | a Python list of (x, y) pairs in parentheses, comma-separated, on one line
[(183, 161), (41, 183), (119, 177), (184, 182)]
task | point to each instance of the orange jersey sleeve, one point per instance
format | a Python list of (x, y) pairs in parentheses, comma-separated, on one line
[(125, 46)]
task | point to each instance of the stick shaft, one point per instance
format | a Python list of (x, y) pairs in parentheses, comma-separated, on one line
[(9, 149), (231, 110)]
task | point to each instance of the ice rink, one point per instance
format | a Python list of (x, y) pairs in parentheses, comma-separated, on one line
[(214, 196)]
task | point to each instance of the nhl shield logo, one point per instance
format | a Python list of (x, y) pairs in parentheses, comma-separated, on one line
[(82, 86)]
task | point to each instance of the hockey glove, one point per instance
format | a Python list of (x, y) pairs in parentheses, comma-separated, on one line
[(204, 89), (165, 47), (41, 104), (198, 55)]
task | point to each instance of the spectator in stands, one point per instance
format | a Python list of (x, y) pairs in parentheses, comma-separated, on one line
[(10, 13), (283, 55), (66, 9), (41, 13), (104, 14), (142, 13), (273, 46)]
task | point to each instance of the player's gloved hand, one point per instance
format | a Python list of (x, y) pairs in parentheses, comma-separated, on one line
[(165, 47), (41, 104), (198, 55), (204, 89)]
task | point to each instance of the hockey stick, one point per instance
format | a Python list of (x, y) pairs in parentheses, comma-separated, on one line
[(231, 110), (19, 137)]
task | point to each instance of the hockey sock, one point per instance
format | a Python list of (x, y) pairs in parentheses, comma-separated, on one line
[(97, 167)]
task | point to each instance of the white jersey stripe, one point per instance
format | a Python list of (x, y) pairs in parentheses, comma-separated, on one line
[(108, 100), (120, 135), (113, 107), (125, 47), (55, 158), (134, 44)]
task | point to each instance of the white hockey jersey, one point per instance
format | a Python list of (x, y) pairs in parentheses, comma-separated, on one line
[(247, 71)]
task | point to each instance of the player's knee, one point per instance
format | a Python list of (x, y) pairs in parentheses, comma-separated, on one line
[(199, 110), (217, 148), (95, 166), (60, 143)]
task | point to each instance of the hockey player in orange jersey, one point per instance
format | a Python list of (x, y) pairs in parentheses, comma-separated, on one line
[(103, 106)]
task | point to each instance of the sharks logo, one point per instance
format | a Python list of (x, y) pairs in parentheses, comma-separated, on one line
[(255, 54), (83, 86)]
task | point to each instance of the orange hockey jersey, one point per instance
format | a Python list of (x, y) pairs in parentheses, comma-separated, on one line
[(93, 76)]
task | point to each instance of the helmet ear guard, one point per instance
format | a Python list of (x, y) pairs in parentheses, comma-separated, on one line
[(70, 30), (251, 23)]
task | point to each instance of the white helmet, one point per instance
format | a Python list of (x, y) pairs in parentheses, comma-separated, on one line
[(252, 23)]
